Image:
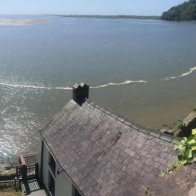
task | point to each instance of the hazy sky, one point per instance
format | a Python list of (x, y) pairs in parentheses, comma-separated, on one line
[(132, 7)]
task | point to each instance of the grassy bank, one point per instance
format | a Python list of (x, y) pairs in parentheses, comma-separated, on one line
[(9, 188), (10, 194)]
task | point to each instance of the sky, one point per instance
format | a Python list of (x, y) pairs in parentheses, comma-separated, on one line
[(102, 7)]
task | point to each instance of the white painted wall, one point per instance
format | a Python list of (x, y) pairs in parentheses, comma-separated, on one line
[(45, 166), (39, 156), (63, 184)]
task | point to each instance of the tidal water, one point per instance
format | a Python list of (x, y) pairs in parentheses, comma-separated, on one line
[(144, 70)]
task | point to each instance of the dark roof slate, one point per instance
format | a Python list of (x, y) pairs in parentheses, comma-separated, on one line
[(105, 154)]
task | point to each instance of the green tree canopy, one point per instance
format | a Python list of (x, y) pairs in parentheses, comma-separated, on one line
[(182, 12)]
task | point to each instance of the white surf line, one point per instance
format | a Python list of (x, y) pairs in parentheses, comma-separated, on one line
[(191, 70), (33, 86), (24, 86), (127, 82), (62, 88)]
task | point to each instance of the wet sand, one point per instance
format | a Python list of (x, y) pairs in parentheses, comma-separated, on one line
[(21, 22)]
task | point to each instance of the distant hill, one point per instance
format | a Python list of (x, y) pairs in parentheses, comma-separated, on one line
[(182, 12)]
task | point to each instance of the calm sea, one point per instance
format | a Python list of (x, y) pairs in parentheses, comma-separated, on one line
[(144, 70)]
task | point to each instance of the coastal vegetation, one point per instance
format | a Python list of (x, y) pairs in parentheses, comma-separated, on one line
[(8, 185), (180, 124), (9, 188), (187, 148), (187, 153), (183, 12)]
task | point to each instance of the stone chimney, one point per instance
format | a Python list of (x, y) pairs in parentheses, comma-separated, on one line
[(80, 93)]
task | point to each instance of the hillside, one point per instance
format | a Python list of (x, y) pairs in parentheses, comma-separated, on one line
[(183, 12)]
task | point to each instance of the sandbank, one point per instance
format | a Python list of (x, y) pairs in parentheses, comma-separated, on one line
[(21, 22)]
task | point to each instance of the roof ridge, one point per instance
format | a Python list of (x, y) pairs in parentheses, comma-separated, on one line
[(162, 136)]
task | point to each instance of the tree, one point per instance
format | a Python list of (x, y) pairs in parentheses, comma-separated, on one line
[(184, 11)]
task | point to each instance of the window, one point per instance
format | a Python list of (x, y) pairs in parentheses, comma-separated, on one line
[(51, 184), (75, 192), (52, 164)]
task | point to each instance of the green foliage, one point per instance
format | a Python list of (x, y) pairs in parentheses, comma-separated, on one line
[(187, 148), (194, 109), (180, 124), (184, 11)]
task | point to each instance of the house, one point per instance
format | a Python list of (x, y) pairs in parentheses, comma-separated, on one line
[(87, 150)]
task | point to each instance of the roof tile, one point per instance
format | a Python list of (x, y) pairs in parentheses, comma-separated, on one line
[(104, 153)]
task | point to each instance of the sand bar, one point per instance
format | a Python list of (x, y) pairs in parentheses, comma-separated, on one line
[(21, 22)]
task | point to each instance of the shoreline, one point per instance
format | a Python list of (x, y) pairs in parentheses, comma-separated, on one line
[(112, 17)]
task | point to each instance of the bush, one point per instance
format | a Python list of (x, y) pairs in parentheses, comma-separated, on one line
[(180, 124), (187, 148)]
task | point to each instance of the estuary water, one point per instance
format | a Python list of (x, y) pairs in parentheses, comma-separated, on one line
[(144, 70)]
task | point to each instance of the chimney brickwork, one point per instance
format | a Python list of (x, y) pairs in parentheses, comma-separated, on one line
[(80, 93)]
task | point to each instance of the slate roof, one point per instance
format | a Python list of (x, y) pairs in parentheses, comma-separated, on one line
[(105, 154), (182, 182)]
